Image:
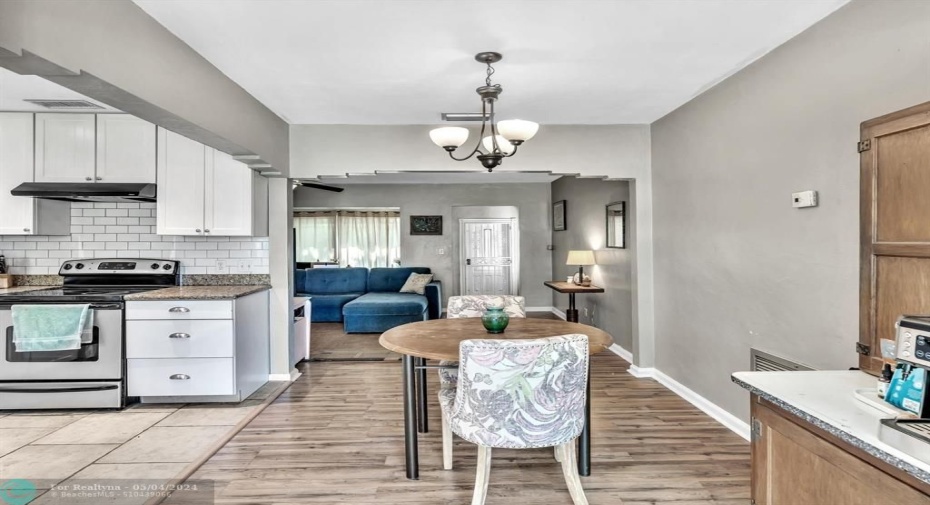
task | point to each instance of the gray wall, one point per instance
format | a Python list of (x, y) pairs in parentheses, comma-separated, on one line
[(735, 265), (586, 201), (531, 200), (112, 51)]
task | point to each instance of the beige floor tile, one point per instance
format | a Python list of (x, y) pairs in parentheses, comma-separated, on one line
[(39, 420), (182, 444), (126, 476), (47, 465), (112, 428), (153, 407), (132, 471), (226, 415), (14, 438)]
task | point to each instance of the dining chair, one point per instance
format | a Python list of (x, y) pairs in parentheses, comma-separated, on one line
[(474, 306), (518, 394)]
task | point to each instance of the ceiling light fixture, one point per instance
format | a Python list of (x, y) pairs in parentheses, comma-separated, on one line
[(504, 137)]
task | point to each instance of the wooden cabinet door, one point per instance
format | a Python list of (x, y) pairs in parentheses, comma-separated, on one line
[(895, 229), (791, 465), (17, 213), (64, 147), (181, 167), (228, 198), (125, 149)]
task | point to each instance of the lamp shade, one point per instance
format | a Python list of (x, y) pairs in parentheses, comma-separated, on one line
[(502, 143), (517, 129), (449, 136), (579, 258)]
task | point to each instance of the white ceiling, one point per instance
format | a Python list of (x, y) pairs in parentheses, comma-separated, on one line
[(14, 88), (443, 178), (405, 61)]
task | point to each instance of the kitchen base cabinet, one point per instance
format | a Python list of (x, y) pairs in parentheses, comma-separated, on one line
[(197, 350), (794, 462)]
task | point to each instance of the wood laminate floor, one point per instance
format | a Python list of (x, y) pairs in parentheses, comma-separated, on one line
[(335, 436)]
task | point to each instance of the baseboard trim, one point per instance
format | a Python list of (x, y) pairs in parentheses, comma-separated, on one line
[(728, 420), (279, 377), (295, 373), (623, 353), (538, 309), (558, 313)]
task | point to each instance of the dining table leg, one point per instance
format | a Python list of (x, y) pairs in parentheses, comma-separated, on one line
[(584, 440), (422, 417), (410, 418)]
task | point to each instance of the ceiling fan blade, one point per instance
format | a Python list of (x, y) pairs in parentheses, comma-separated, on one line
[(324, 187)]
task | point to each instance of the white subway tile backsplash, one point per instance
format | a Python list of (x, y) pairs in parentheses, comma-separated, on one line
[(127, 230)]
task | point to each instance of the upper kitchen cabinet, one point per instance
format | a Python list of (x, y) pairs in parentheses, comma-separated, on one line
[(64, 148), (204, 192), (21, 215), (125, 149), (94, 148)]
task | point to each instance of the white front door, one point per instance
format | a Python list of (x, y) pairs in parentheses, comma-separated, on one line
[(488, 256)]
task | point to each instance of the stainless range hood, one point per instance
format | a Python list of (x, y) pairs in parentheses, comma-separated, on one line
[(90, 192)]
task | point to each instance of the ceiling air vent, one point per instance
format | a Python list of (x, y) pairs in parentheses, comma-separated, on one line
[(764, 362), (64, 104)]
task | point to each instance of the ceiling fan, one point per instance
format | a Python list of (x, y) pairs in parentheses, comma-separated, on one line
[(317, 185)]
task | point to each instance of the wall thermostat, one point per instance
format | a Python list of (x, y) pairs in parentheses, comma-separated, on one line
[(804, 199)]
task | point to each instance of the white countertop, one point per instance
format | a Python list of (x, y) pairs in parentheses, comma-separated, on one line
[(827, 399)]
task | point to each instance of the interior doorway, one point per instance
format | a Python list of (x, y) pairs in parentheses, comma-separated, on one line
[(489, 256)]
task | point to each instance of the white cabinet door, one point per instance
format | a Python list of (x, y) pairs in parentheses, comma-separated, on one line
[(181, 164), (125, 149), (17, 213), (228, 201), (64, 147)]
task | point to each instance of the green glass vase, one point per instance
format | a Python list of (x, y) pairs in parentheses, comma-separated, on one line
[(495, 319)]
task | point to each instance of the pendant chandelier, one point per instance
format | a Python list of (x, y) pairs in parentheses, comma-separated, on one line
[(504, 137)]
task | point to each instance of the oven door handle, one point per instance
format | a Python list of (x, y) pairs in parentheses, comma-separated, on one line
[(106, 306), (58, 389)]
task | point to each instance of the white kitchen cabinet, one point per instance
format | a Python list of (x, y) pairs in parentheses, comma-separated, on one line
[(125, 149), (205, 192), (170, 359), (65, 147), (22, 215)]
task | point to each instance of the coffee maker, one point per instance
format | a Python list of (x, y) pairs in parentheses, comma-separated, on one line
[(912, 354)]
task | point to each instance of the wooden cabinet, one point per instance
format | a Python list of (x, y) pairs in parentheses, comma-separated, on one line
[(204, 192), (94, 148), (794, 462), (20, 215), (125, 149), (64, 148), (216, 350)]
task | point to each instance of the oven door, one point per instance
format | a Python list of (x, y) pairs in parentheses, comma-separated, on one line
[(101, 359)]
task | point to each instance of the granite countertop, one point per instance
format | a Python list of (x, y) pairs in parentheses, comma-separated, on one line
[(827, 400), (198, 293), (21, 289)]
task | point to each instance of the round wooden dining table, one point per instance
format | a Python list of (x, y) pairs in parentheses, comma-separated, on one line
[(439, 339)]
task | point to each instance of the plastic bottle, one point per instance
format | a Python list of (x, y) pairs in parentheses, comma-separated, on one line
[(883, 380), (2, 264)]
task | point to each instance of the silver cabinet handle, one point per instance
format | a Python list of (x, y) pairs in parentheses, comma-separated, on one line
[(26, 230), (183, 310), (206, 230), (180, 335), (88, 178), (99, 178), (179, 377), (197, 230)]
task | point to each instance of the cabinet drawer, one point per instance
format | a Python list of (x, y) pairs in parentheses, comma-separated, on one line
[(180, 309), (192, 377), (202, 338)]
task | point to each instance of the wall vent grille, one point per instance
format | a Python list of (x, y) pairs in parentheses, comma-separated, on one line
[(762, 361), (63, 104)]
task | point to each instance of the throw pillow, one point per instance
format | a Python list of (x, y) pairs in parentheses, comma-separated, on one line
[(416, 283)]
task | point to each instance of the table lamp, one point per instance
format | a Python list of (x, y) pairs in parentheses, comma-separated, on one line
[(580, 258)]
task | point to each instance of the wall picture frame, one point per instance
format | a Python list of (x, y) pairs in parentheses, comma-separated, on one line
[(559, 222), (616, 225), (426, 225)]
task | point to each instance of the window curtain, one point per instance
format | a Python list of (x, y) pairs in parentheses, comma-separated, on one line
[(369, 239), (316, 236)]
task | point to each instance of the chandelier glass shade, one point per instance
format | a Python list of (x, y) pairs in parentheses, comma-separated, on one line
[(502, 139)]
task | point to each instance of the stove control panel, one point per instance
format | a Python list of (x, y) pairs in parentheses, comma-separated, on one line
[(110, 266)]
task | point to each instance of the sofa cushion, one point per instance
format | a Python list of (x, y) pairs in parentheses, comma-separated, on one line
[(332, 281), (386, 304), (328, 308), (416, 283), (390, 280)]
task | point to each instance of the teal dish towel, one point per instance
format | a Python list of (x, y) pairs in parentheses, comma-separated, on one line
[(50, 327)]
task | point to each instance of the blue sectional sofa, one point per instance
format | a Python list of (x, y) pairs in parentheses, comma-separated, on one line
[(367, 301)]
